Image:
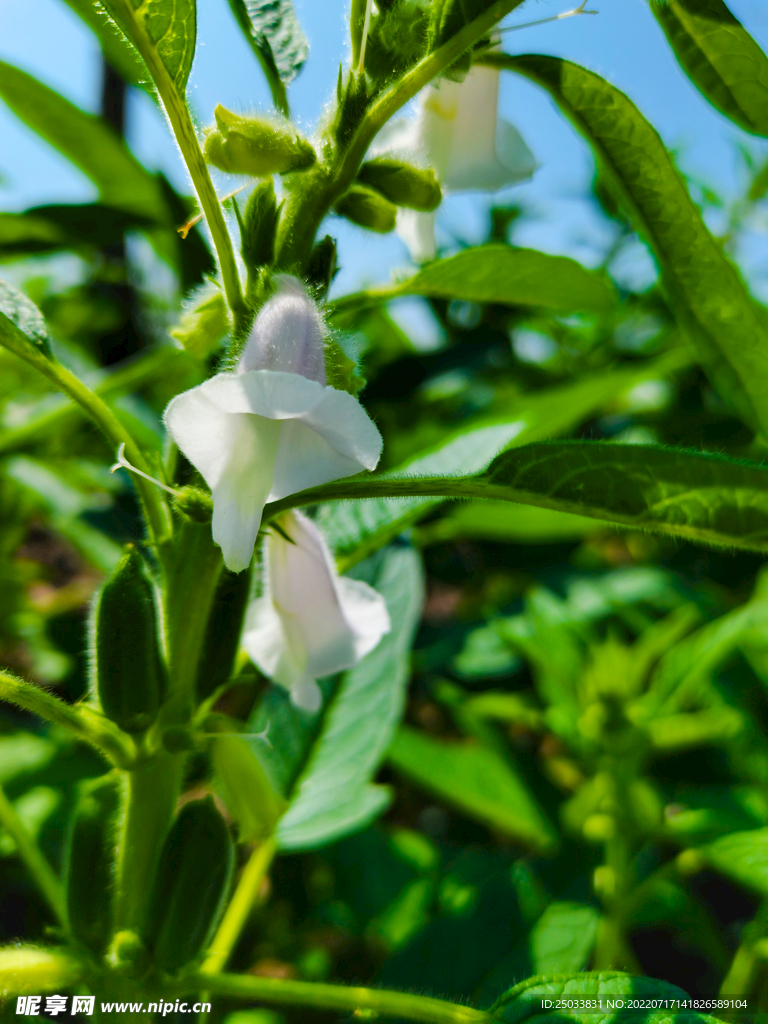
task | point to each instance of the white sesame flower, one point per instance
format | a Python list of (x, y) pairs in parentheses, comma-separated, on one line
[(458, 133), (272, 427), (310, 622)]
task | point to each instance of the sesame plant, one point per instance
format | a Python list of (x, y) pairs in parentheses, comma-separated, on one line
[(243, 486)]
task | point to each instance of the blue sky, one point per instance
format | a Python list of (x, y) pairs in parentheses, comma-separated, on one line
[(623, 43)]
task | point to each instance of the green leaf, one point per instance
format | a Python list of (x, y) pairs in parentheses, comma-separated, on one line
[(25, 315), (529, 999), (273, 30), (87, 141), (476, 780), (47, 229), (700, 497), (501, 274), (497, 520), (562, 939), (115, 47), (720, 57), (705, 289), (356, 529), (741, 856), (163, 31), (334, 795)]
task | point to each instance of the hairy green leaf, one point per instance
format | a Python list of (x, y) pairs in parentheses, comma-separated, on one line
[(501, 274), (115, 47), (477, 780), (25, 315), (163, 31), (700, 497), (705, 289), (529, 999), (273, 30), (334, 794), (87, 141), (354, 530), (720, 57)]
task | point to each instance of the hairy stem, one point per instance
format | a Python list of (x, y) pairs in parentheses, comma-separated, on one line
[(186, 139), (153, 788), (302, 219), (157, 515), (240, 906), (85, 723), (39, 868), (337, 997)]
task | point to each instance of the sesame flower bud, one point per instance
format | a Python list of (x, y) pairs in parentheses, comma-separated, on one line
[(287, 335)]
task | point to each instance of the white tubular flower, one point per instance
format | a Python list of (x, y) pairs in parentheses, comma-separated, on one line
[(272, 427), (310, 622), (458, 133)]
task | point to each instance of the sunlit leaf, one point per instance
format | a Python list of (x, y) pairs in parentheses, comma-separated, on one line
[(355, 529), (501, 274), (25, 315), (741, 856), (163, 31), (117, 50), (720, 57), (705, 289), (699, 497), (273, 30)]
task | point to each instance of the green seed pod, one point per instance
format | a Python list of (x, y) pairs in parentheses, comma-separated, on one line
[(127, 667), (402, 184), (222, 635), (368, 208), (258, 225), (192, 881), (256, 145), (89, 856)]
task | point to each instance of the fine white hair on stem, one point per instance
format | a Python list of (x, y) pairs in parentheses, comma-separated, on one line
[(364, 40)]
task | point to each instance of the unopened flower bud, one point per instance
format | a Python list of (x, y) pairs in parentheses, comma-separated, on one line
[(258, 226), (287, 335), (402, 184), (368, 208), (256, 145)]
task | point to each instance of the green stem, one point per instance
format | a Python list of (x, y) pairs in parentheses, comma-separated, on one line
[(186, 139), (240, 906), (126, 378), (338, 997), (38, 867), (153, 788), (84, 722), (302, 220), (158, 517)]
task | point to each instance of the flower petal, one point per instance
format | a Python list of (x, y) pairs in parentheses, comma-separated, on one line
[(366, 612), (329, 435), (417, 230), (243, 486), (309, 623), (201, 429)]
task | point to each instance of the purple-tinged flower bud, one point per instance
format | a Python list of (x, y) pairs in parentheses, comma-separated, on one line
[(287, 335)]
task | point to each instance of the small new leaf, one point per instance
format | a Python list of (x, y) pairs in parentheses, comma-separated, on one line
[(25, 315)]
